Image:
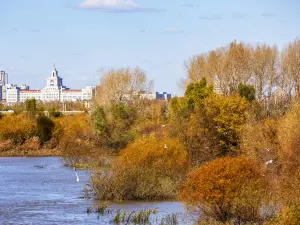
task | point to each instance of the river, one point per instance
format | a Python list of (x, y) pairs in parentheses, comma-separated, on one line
[(41, 191)]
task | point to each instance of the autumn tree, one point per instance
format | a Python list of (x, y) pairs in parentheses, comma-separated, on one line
[(122, 84), (237, 64), (290, 68), (265, 69), (195, 69), (214, 126), (226, 188)]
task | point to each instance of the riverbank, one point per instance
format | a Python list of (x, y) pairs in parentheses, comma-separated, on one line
[(19, 152)]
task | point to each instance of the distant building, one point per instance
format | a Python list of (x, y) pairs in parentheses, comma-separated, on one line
[(24, 87), (12, 95), (3, 78), (157, 96), (53, 91)]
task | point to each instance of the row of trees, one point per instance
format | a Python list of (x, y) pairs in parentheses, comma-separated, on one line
[(269, 70)]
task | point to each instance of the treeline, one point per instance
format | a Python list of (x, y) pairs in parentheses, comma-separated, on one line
[(29, 131), (274, 73)]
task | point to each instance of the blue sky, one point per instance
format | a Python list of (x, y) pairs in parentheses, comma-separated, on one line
[(83, 36)]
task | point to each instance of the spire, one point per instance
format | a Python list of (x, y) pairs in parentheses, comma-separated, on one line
[(54, 65)]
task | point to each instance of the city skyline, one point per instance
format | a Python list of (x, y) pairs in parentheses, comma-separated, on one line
[(83, 36)]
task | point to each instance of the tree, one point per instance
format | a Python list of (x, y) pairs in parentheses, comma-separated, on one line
[(247, 91), (290, 68), (44, 128), (99, 121), (237, 64), (113, 125), (196, 69), (225, 188), (197, 91), (120, 85), (31, 108), (213, 128), (54, 113), (265, 71)]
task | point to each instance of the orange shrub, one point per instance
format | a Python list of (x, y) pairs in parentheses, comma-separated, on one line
[(17, 128), (72, 130), (225, 188), (150, 152), (146, 171)]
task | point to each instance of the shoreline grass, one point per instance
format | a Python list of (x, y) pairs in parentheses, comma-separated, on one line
[(31, 153)]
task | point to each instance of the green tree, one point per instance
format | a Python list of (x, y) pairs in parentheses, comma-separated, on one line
[(113, 125), (54, 113), (100, 124), (247, 91), (44, 127), (197, 91), (31, 108)]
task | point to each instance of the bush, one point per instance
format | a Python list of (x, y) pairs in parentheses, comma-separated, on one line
[(226, 188), (289, 138), (75, 138), (146, 171), (152, 152), (259, 141), (17, 128), (5, 145), (54, 113), (288, 216), (32, 144)]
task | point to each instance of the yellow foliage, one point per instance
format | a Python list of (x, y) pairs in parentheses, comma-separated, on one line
[(147, 170), (150, 152), (289, 138), (259, 141), (17, 128)]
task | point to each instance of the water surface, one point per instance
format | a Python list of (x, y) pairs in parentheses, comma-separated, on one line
[(41, 191)]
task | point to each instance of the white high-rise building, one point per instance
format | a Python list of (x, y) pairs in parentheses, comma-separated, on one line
[(53, 91), (3, 78)]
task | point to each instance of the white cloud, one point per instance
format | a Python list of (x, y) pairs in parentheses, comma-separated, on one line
[(113, 6), (109, 4)]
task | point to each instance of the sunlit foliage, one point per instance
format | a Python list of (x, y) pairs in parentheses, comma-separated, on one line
[(226, 188)]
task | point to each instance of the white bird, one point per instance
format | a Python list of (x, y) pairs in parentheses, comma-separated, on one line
[(76, 175), (269, 162), (165, 146)]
